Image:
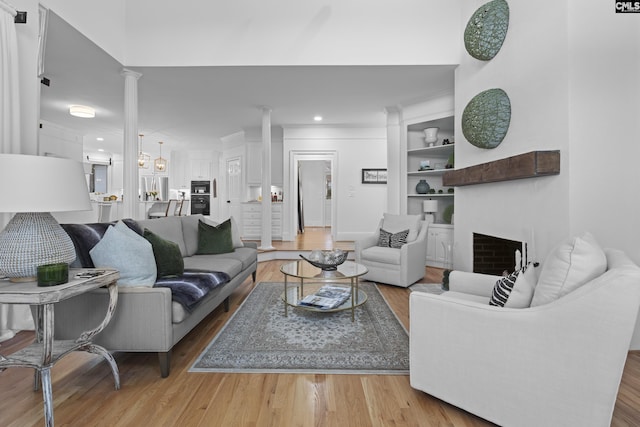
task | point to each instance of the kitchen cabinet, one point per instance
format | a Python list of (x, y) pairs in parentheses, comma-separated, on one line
[(200, 169), (252, 221), (440, 245), (179, 177), (187, 166)]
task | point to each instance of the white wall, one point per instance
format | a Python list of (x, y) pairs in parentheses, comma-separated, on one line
[(571, 71), (278, 32), (359, 206), (59, 142), (532, 68), (604, 124), (102, 22)]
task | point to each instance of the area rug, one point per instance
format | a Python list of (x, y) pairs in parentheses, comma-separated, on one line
[(431, 288), (260, 339)]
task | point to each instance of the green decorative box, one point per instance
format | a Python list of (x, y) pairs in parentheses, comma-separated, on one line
[(53, 274)]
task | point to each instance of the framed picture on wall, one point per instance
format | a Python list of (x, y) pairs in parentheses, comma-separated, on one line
[(374, 176)]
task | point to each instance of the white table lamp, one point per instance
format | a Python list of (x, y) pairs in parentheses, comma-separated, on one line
[(429, 207), (34, 186)]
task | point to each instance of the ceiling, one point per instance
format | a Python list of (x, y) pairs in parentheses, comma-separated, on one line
[(193, 107)]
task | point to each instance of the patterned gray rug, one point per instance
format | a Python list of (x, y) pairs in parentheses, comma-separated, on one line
[(259, 339), (432, 288)]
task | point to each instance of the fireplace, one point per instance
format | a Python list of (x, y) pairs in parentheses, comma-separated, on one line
[(495, 255)]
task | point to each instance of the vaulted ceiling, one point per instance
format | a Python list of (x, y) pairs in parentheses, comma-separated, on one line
[(193, 107)]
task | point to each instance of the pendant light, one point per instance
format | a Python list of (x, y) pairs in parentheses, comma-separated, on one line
[(143, 159), (160, 164)]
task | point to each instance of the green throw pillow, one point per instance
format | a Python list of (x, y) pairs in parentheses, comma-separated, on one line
[(214, 239), (169, 262)]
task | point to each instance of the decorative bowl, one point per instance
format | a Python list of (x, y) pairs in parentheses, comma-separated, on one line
[(326, 260)]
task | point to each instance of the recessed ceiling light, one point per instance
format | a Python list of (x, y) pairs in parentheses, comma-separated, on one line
[(99, 139), (100, 149), (318, 118), (82, 111)]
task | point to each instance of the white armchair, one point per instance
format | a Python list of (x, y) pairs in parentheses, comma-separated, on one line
[(556, 364), (400, 267)]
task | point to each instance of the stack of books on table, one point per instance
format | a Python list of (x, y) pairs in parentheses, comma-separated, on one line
[(327, 297)]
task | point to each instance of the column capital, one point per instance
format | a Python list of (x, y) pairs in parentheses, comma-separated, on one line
[(393, 114), (130, 73)]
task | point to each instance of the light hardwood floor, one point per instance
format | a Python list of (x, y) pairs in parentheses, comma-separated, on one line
[(84, 395)]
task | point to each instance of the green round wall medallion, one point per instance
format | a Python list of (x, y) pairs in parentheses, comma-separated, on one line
[(485, 119), (487, 29)]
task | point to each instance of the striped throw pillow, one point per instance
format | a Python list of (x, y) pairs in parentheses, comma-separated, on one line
[(502, 289), (391, 240)]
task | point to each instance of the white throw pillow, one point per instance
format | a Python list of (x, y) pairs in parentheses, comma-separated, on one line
[(396, 223), (129, 253), (235, 231), (522, 292), (569, 266)]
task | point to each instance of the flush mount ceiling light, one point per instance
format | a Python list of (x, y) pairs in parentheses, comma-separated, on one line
[(82, 111), (160, 164), (317, 118)]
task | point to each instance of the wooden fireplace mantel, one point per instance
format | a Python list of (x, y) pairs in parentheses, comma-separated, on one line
[(527, 165)]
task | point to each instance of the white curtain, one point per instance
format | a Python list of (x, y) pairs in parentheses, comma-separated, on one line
[(9, 88), (12, 317)]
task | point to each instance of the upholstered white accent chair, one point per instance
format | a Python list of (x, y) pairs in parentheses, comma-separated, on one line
[(554, 364), (399, 267)]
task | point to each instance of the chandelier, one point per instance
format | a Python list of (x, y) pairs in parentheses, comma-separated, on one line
[(160, 164), (143, 159)]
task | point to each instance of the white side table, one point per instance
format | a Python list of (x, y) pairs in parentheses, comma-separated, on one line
[(44, 353)]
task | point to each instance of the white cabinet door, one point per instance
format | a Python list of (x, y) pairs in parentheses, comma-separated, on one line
[(178, 171), (440, 245), (200, 169)]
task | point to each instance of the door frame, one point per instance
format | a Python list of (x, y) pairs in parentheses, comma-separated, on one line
[(292, 201), (223, 189)]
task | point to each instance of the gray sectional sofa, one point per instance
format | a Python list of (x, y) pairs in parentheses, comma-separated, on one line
[(146, 319)]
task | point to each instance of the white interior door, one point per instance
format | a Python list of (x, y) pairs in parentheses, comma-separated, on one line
[(234, 188)]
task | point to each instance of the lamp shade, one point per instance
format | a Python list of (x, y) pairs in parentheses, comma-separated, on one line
[(42, 184), (34, 186), (430, 206)]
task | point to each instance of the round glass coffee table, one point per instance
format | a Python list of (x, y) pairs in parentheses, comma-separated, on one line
[(311, 278)]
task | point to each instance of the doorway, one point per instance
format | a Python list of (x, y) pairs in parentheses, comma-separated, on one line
[(315, 188), (314, 203), (234, 188)]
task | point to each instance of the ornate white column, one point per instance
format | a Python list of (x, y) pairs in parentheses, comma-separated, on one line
[(395, 196), (130, 201), (265, 242)]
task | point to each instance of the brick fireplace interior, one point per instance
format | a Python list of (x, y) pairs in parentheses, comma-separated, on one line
[(494, 255)]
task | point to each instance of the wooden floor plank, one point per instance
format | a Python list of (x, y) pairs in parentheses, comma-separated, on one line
[(83, 389)]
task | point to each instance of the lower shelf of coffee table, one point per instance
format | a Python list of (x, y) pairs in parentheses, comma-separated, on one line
[(293, 297)]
